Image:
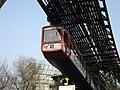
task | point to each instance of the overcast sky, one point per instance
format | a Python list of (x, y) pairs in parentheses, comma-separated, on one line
[(20, 28)]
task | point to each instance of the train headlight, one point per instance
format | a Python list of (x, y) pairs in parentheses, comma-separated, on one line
[(51, 46)]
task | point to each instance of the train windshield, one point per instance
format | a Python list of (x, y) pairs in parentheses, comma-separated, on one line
[(52, 35)]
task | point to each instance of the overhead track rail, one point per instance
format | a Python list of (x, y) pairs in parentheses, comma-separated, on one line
[(89, 24)]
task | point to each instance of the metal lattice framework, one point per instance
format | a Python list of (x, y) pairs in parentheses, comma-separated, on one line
[(49, 70), (2, 2), (88, 22)]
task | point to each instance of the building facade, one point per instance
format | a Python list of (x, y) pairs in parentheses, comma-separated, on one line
[(44, 80)]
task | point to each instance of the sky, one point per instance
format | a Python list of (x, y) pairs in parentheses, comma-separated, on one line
[(21, 22)]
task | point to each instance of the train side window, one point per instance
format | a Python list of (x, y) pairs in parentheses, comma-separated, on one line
[(71, 44), (66, 38)]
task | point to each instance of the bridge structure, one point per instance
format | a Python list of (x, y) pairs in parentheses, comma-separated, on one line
[(2, 2), (88, 22)]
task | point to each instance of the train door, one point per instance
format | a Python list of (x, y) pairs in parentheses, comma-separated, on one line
[(67, 42)]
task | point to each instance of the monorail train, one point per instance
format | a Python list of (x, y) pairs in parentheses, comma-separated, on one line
[(59, 48), (57, 43)]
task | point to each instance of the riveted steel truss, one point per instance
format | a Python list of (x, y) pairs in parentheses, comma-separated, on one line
[(89, 24)]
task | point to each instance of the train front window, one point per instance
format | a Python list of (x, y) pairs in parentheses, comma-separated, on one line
[(52, 35)]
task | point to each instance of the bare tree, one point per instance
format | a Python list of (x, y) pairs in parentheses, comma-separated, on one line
[(24, 77), (4, 75)]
